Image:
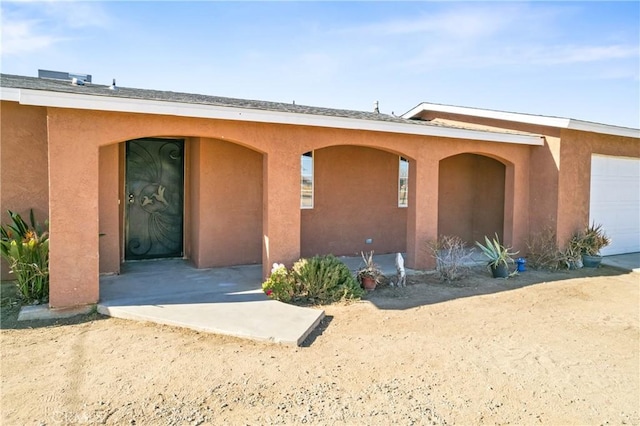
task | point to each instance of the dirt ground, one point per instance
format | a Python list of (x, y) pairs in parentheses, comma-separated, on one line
[(539, 348)]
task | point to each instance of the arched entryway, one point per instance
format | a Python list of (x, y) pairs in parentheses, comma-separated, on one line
[(471, 197), (214, 189), (355, 203)]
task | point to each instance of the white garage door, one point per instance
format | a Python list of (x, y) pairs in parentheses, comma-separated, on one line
[(615, 201)]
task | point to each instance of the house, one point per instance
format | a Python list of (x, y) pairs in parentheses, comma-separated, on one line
[(126, 174)]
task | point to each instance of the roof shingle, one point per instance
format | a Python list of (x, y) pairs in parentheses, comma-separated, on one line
[(35, 83)]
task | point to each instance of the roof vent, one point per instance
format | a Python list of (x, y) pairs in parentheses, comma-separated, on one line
[(60, 75), (113, 85), (376, 107)]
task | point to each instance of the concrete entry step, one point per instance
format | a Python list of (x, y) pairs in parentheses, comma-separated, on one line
[(225, 301)]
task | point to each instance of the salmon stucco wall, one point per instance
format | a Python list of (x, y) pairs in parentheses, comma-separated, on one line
[(227, 204), (471, 197), (192, 175), (280, 206), (109, 208), (271, 153), (24, 181), (543, 186), (544, 164), (73, 211), (187, 225), (355, 199), (575, 174)]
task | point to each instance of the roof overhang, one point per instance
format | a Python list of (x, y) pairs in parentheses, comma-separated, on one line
[(540, 120), (143, 106)]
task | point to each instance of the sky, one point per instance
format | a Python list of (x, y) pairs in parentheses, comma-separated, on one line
[(578, 60)]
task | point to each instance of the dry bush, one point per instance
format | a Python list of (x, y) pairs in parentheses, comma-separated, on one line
[(543, 251), (452, 256)]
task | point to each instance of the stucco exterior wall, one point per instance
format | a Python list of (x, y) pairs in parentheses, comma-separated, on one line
[(82, 154), (73, 210), (23, 164), (575, 174), (193, 175), (471, 197), (109, 209), (426, 186), (560, 170), (545, 165), (227, 181), (355, 199)]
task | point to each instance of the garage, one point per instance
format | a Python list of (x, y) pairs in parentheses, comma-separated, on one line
[(615, 201)]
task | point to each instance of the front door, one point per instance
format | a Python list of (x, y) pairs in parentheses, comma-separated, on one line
[(154, 198)]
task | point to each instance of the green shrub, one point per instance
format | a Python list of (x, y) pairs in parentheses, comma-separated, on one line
[(26, 249), (325, 279), (318, 280), (280, 285)]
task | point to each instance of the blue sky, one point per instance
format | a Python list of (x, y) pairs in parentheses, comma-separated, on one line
[(570, 59)]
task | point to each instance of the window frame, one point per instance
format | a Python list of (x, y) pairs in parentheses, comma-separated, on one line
[(403, 195), (310, 177)]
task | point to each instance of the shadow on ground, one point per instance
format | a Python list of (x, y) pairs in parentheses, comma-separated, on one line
[(10, 308), (318, 331), (427, 289), (422, 289)]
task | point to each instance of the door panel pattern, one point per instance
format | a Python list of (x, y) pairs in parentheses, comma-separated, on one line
[(155, 192)]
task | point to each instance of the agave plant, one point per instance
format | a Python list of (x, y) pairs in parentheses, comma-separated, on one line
[(592, 240), (496, 252)]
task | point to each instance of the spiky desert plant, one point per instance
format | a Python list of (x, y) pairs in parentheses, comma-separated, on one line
[(496, 252), (26, 249)]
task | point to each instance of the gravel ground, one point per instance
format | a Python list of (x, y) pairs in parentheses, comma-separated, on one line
[(540, 348)]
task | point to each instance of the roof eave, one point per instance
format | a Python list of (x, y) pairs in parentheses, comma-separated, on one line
[(587, 126), (144, 106), (9, 94), (541, 120)]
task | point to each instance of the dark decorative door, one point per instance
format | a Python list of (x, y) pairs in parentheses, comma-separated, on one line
[(154, 198)]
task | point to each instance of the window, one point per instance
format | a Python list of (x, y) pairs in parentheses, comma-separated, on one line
[(403, 183), (306, 180)]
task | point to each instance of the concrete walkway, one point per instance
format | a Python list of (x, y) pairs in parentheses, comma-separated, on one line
[(628, 262), (225, 301)]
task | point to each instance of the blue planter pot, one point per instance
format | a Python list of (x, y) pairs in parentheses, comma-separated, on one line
[(591, 261), (499, 271)]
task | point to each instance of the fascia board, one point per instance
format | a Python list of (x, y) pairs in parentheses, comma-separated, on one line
[(587, 126), (486, 113), (142, 106), (9, 94), (557, 122), (414, 111)]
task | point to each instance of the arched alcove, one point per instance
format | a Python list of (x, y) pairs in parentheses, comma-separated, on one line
[(355, 204), (222, 191), (471, 197)]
